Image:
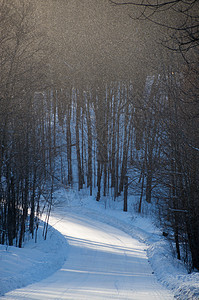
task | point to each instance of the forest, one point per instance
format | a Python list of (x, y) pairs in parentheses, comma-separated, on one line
[(78, 113)]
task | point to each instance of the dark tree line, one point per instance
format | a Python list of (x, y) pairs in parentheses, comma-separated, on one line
[(179, 115), (25, 121)]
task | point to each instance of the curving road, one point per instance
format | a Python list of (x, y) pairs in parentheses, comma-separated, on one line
[(103, 263)]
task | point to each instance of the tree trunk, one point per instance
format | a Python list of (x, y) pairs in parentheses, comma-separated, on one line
[(80, 183), (125, 192), (89, 134)]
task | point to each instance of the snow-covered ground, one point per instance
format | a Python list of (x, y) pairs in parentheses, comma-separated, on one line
[(95, 251)]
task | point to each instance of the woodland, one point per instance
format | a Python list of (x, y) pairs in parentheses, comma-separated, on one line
[(102, 96)]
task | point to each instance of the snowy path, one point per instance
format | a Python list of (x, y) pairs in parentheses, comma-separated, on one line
[(102, 263)]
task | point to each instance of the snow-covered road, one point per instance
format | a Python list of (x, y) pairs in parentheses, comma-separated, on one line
[(102, 263)]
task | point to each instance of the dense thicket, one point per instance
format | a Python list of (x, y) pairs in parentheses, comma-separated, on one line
[(25, 121), (179, 20)]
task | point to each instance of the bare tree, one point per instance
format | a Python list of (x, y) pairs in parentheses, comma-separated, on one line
[(179, 18)]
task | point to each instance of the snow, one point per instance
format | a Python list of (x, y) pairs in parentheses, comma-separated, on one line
[(94, 250), (20, 267)]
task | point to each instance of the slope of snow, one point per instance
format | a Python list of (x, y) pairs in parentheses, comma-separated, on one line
[(41, 259), (20, 267)]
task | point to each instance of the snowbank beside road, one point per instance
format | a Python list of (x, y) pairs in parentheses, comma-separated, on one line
[(20, 267)]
